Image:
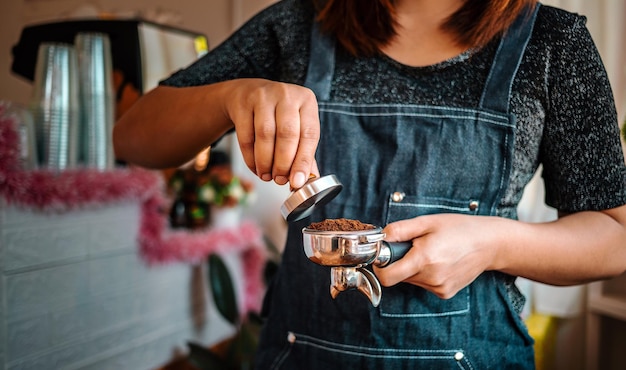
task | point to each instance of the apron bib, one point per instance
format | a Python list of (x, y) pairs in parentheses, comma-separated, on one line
[(399, 161)]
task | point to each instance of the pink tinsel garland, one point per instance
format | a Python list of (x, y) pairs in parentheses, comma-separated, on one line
[(84, 187), (160, 244)]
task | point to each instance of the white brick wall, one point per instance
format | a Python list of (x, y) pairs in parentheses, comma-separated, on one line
[(76, 295)]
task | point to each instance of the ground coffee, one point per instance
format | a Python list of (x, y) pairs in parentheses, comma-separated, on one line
[(340, 224)]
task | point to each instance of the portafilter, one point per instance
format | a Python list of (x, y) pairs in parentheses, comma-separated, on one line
[(347, 253)]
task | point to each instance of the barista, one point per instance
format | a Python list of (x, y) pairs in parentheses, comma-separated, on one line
[(434, 115)]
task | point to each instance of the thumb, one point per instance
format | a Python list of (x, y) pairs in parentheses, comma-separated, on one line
[(405, 230), (298, 179)]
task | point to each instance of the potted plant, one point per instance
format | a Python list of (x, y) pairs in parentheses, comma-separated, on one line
[(237, 352), (210, 195)]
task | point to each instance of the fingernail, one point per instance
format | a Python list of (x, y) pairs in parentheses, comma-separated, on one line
[(266, 177), (281, 180), (298, 180)]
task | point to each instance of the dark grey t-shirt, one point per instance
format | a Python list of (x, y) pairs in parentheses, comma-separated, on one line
[(561, 97)]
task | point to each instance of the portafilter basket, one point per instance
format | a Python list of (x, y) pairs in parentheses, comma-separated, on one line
[(347, 253)]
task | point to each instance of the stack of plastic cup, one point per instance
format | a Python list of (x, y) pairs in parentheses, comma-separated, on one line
[(97, 99), (25, 127), (55, 106)]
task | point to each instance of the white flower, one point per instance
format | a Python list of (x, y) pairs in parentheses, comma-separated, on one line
[(207, 194), (237, 192)]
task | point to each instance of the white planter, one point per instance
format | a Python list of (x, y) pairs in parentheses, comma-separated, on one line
[(225, 217)]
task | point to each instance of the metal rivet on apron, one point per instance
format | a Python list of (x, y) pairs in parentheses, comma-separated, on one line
[(459, 356), (291, 337), (473, 205), (397, 196)]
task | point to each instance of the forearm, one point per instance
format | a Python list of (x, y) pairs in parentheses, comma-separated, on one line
[(574, 249), (168, 126)]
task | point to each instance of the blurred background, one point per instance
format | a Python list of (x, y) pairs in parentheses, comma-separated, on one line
[(576, 328)]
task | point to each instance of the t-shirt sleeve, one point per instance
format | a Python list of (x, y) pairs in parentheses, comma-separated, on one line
[(581, 151), (267, 46)]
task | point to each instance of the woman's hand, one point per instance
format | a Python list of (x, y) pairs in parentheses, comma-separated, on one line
[(449, 251), (277, 126)]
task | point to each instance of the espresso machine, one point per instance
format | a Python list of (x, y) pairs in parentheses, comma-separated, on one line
[(143, 52)]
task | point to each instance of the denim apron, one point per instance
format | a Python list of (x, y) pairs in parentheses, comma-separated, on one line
[(399, 161)]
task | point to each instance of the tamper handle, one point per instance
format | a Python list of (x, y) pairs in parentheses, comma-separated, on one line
[(391, 252)]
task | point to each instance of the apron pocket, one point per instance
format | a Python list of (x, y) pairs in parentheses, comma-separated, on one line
[(304, 351), (410, 301)]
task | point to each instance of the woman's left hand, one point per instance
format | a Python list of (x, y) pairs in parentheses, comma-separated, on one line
[(449, 251)]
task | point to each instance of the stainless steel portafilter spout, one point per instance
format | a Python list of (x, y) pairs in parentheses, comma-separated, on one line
[(346, 278)]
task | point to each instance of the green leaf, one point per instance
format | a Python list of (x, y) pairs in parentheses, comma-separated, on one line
[(204, 359), (222, 289)]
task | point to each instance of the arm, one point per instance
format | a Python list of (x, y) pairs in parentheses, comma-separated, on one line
[(450, 251), (166, 127), (277, 126), (575, 249)]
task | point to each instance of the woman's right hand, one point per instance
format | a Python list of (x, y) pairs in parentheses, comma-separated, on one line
[(277, 127)]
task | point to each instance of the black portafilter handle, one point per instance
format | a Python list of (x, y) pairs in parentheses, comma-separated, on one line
[(390, 252)]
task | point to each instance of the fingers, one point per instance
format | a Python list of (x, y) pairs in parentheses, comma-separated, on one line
[(278, 131), (245, 137), (413, 269), (304, 162), (297, 135), (443, 258), (411, 265), (287, 140), (400, 270), (407, 266), (264, 140), (408, 229)]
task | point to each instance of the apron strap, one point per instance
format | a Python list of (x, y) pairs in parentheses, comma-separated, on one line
[(321, 63), (506, 62)]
